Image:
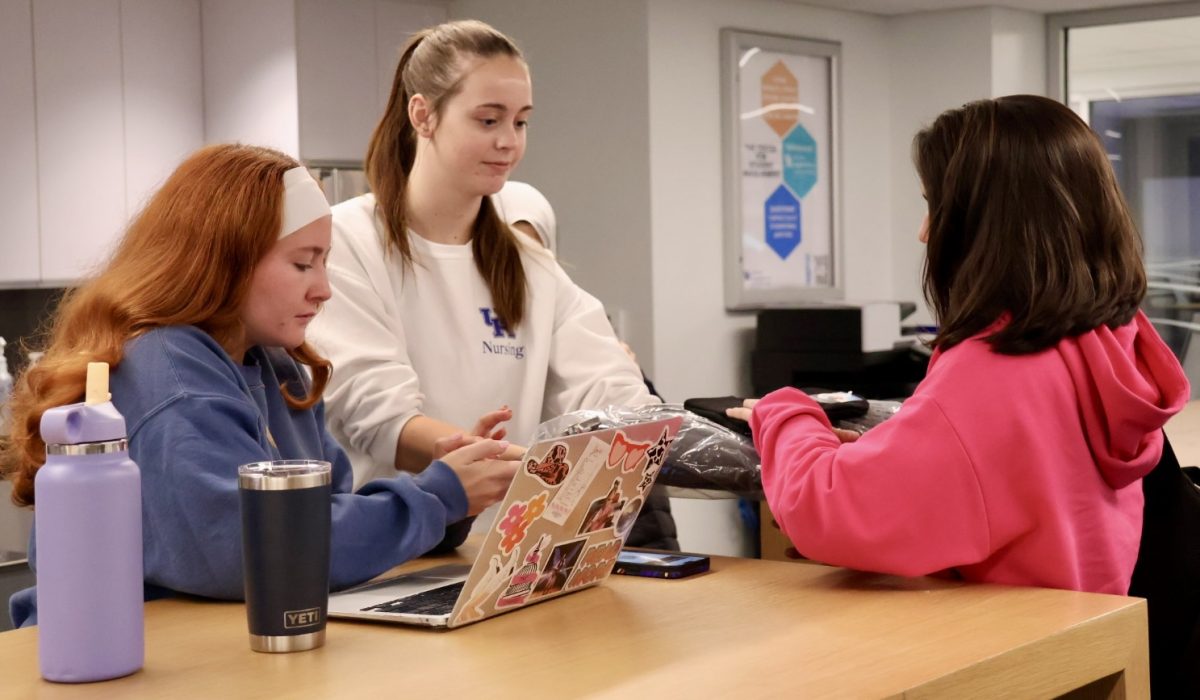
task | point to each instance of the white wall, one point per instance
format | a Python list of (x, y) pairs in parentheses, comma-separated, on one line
[(1018, 52), (395, 21), (332, 116), (941, 60), (346, 57), (700, 348)]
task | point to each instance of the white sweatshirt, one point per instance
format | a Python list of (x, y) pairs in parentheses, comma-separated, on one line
[(424, 341)]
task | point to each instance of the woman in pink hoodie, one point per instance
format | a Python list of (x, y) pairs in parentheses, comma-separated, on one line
[(1018, 459)]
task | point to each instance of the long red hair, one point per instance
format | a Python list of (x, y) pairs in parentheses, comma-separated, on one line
[(187, 259)]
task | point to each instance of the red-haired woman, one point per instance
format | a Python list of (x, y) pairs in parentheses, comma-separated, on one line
[(202, 313)]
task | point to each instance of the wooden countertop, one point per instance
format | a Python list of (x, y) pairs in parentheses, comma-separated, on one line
[(748, 628)]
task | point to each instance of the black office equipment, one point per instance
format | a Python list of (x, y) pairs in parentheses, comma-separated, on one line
[(855, 348)]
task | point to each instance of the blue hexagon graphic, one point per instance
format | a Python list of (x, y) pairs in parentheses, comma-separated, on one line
[(800, 161), (782, 214)]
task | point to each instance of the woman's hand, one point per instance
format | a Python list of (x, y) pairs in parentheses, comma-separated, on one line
[(743, 413), (450, 443), (484, 476), (846, 435), (488, 424)]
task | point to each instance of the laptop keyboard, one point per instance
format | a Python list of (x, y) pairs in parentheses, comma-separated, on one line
[(435, 601)]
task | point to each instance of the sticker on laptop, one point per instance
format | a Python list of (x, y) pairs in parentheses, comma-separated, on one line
[(603, 511), (626, 453), (521, 584), (578, 479), (628, 514), (498, 572), (515, 523), (597, 561), (655, 457), (557, 571), (551, 469)]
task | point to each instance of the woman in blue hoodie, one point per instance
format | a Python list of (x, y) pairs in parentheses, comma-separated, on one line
[(202, 313)]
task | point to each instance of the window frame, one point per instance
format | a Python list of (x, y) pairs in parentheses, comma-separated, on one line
[(1058, 24)]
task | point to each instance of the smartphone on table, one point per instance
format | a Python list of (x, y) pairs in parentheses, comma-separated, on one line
[(635, 562)]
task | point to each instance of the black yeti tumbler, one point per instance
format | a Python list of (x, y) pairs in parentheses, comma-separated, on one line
[(285, 552)]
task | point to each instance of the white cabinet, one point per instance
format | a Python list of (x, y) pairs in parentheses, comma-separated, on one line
[(249, 54), (336, 65), (18, 143), (101, 99), (309, 77), (163, 92), (81, 133), (346, 59)]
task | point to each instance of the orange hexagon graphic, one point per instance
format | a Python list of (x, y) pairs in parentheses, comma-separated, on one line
[(779, 86)]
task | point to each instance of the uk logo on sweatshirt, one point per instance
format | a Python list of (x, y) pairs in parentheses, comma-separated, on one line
[(499, 330), (499, 333)]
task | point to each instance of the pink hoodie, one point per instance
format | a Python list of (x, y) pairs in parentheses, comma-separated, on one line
[(1021, 470)]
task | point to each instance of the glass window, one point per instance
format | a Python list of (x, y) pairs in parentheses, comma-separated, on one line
[(1138, 85)]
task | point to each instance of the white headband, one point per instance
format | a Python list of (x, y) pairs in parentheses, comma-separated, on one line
[(303, 201)]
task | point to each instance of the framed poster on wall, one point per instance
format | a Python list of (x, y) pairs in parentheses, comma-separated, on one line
[(780, 136)]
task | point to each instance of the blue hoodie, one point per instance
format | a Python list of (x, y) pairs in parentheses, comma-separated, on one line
[(194, 415)]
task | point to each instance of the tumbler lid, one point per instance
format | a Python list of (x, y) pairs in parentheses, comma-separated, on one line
[(284, 474)]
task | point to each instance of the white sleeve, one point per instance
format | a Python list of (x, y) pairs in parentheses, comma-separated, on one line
[(588, 367), (374, 390)]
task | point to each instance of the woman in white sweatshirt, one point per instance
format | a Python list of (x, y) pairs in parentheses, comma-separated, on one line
[(440, 312)]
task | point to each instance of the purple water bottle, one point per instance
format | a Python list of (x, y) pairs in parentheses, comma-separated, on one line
[(88, 525)]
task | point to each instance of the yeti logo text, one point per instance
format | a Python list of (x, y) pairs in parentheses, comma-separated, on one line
[(498, 328), (301, 618)]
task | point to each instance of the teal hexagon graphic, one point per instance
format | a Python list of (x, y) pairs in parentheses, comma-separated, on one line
[(800, 161)]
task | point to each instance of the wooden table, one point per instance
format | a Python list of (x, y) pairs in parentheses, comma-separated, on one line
[(748, 629)]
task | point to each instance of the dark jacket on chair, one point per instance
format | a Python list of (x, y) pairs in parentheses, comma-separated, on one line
[(1167, 575)]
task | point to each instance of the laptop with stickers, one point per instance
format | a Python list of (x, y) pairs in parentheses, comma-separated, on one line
[(558, 530)]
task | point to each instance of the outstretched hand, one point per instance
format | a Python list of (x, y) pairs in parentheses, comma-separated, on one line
[(743, 413)]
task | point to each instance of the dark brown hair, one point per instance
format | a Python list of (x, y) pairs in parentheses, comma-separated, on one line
[(187, 259), (433, 64), (1026, 224)]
